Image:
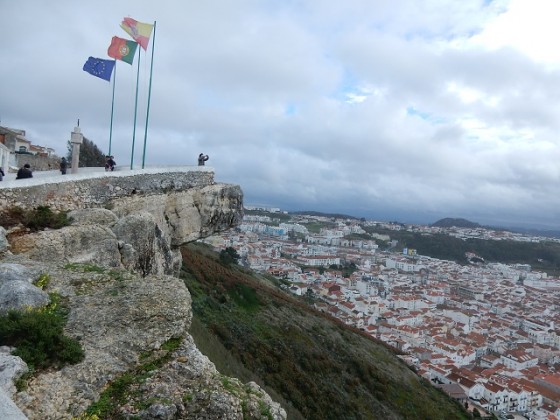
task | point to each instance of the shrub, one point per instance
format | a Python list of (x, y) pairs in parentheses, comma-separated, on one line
[(43, 217), (38, 337), (36, 219)]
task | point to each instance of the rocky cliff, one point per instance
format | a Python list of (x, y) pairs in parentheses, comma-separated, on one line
[(114, 268)]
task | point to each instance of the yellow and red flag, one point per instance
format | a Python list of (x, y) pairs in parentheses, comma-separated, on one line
[(140, 32)]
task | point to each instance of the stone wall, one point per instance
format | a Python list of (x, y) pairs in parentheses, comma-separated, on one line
[(98, 189), (38, 163)]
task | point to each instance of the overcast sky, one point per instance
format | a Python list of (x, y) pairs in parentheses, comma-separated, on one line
[(393, 110)]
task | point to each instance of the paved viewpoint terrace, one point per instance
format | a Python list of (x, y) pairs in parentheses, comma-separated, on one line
[(92, 187)]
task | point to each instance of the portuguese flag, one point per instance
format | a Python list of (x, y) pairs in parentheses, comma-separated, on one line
[(122, 49)]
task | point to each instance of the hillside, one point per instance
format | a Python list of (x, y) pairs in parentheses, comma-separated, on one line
[(450, 222), (315, 366), (321, 214), (542, 256)]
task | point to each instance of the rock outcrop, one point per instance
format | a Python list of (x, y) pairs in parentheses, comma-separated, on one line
[(115, 269)]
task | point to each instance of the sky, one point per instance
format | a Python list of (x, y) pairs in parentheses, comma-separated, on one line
[(400, 110)]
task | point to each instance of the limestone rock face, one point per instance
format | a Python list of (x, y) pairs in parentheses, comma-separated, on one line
[(92, 216), (117, 317), (140, 233), (8, 410), (130, 315), (199, 392), (11, 368), (144, 247), (185, 216), (3, 241), (95, 244)]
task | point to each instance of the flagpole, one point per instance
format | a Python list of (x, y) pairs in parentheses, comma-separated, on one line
[(135, 111), (112, 107), (149, 96)]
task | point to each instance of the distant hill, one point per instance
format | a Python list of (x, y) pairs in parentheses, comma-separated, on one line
[(537, 232), (318, 213), (450, 222), (314, 365)]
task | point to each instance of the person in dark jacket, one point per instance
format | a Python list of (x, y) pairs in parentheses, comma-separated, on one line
[(24, 172), (202, 158), (63, 165), (110, 163), (2, 174)]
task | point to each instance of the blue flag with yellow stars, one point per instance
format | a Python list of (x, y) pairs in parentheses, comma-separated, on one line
[(100, 68)]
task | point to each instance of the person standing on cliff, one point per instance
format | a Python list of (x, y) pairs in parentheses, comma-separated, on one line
[(63, 165), (202, 158), (24, 172)]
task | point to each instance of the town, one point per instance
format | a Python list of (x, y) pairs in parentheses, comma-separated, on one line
[(487, 333)]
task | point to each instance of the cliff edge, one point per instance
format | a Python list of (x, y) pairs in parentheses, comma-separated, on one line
[(114, 268)]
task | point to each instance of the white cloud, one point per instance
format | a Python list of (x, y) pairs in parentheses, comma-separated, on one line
[(405, 109), (528, 26)]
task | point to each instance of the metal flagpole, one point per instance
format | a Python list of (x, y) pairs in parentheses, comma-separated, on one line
[(112, 107), (149, 95), (135, 111)]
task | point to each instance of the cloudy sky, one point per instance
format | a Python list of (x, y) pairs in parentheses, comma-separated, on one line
[(393, 110)]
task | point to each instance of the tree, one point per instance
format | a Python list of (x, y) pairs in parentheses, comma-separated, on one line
[(229, 256), (90, 154), (310, 295)]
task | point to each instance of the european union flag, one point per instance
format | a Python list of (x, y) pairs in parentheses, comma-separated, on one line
[(100, 68)]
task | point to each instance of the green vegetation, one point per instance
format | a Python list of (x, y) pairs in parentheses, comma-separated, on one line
[(90, 154), (315, 227), (457, 222), (35, 219), (315, 366), (347, 268), (229, 256), (358, 237), (126, 387), (280, 217), (543, 256), (38, 336), (84, 268), (320, 214)]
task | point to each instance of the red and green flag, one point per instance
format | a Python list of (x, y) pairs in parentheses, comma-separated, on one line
[(122, 49)]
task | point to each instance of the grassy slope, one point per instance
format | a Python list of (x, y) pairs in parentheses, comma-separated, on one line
[(315, 366)]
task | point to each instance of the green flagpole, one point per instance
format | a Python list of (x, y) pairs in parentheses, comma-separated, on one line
[(135, 111), (149, 96), (112, 107)]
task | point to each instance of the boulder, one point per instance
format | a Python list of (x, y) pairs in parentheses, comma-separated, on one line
[(3, 240), (14, 271), (8, 410), (92, 244), (11, 369), (92, 216), (17, 290), (20, 295)]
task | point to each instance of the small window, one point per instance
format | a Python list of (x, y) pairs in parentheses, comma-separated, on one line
[(22, 149)]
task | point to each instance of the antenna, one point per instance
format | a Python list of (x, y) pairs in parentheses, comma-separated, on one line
[(78, 122)]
